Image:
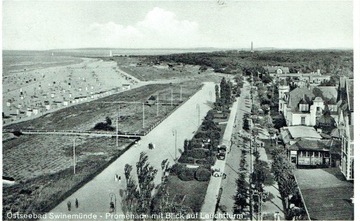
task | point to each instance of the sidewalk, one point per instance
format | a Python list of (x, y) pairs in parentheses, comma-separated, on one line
[(275, 204)]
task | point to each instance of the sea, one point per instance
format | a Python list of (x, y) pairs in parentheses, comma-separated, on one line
[(14, 61)]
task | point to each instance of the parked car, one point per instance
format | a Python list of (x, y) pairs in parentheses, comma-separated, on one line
[(221, 152)]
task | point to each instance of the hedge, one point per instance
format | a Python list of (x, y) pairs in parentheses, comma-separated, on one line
[(187, 174), (198, 153), (185, 158), (202, 174)]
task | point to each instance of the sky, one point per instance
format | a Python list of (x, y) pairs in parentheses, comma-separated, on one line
[(43, 25)]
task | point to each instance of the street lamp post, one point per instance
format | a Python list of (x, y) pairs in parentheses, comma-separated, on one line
[(175, 134)]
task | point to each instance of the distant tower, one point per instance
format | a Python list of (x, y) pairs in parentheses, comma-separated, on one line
[(110, 53), (252, 47)]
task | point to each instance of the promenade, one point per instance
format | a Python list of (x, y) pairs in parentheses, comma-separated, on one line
[(168, 137)]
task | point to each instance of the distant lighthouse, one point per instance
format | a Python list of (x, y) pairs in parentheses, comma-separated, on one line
[(252, 47), (110, 53)]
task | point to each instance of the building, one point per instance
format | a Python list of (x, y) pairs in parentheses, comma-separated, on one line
[(276, 70), (290, 135), (306, 105), (346, 126), (307, 152)]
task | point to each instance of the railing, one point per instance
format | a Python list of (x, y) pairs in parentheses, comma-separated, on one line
[(75, 132)]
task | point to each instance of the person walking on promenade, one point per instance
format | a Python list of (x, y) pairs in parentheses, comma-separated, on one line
[(76, 203), (69, 205)]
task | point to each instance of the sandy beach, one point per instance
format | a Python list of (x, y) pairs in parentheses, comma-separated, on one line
[(29, 94)]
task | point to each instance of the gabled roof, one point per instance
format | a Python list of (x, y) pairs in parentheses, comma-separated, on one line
[(296, 95), (329, 92), (304, 144)]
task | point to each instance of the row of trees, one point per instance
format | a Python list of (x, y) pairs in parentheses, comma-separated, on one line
[(283, 174), (223, 94)]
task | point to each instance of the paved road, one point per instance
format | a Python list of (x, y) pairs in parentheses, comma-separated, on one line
[(233, 160), (94, 197), (215, 182)]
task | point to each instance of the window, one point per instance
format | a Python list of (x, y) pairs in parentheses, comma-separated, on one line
[(303, 107), (303, 120)]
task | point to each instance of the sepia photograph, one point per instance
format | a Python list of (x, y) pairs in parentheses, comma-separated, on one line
[(178, 109)]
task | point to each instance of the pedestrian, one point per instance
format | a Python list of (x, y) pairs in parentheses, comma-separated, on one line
[(116, 177), (69, 205), (119, 178), (76, 203)]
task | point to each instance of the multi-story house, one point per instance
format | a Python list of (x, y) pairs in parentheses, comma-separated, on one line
[(346, 126), (306, 105)]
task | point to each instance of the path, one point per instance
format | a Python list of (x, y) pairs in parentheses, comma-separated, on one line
[(94, 197), (213, 189)]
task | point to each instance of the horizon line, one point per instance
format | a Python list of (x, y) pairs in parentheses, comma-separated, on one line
[(185, 48)]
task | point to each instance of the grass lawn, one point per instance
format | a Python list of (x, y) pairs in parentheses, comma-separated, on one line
[(43, 192), (194, 191), (42, 165), (326, 194)]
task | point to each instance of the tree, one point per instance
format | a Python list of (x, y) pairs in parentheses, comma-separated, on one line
[(223, 91), (138, 198), (261, 175), (266, 78), (217, 93)]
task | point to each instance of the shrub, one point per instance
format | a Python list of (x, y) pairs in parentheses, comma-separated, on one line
[(196, 145), (201, 162), (186, 159), (186, 174), (177, 168), (199, 153), (201, 135), (211, 160), (103, 126), (202, 174)]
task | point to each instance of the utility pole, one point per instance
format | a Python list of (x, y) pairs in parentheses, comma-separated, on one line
[(74, 156), (117, 127), (180, 93), (74, 153), (157, 104), (143, 107)]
